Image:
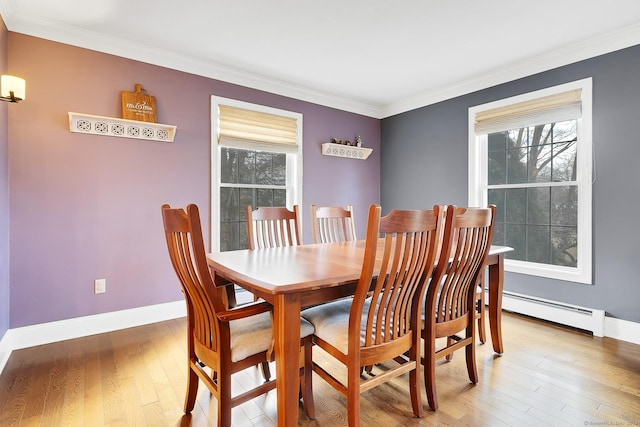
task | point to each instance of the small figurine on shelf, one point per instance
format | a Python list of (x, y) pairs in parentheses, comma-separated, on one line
[(359, 141), (336, 141), (347, 142)]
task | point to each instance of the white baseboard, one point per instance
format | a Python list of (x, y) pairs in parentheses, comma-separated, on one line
[(622, 330), (588, 319), (45, 333)]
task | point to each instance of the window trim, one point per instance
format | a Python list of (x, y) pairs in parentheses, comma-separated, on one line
[(294, 161), (477, 189)]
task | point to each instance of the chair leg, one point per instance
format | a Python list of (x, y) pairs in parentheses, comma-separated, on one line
[(429, 366), (353, 396), (224, 398), (192, 390), (482, 335), (470, 353), (266, 372), (414, 379), (306, 381)]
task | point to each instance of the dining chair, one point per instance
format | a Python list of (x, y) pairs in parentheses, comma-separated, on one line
[(272, 227), (381, 322), (450, 303), (332, 224), (225, 340)]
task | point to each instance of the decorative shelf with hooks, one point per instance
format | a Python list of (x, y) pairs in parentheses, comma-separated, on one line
[(121, 128)]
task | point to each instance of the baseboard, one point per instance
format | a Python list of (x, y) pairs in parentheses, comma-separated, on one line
[(45, 333), (622, 330), (588, 319)]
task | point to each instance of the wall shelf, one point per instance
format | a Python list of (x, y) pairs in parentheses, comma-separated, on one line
[(122, 128), (348, 151)]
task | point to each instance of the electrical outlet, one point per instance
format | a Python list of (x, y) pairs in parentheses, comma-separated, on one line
[(100, 286)]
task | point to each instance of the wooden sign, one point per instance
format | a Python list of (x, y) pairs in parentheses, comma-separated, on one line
[(139, 106)]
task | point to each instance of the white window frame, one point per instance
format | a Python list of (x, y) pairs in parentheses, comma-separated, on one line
[(478, 145), (294, 163)]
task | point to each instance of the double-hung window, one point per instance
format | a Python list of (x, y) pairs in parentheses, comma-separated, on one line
[(531, 156), (256, 159)]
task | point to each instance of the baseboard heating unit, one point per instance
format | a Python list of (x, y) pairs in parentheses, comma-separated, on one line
[(588, 319)]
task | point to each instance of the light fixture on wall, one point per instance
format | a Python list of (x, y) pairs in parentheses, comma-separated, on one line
[(12, 88)]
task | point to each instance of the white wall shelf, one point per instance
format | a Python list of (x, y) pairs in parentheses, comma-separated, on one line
[(348, 151), (121, 128)]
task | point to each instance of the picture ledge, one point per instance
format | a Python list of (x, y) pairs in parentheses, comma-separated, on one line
[(121, 128)]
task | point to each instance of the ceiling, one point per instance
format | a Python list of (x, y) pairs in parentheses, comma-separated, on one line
[(371, 57)]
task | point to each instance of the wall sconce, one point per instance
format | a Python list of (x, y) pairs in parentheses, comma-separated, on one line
[(12, 89)]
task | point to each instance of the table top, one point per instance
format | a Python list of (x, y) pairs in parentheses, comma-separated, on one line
[(297, 268)]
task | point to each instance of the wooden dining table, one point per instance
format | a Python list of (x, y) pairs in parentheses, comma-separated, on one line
[(294, 277)]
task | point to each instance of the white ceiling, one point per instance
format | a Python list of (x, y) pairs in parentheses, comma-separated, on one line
[(372, 57)]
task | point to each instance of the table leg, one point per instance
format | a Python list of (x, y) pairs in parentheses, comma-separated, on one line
[(286, 330), (496, 283)]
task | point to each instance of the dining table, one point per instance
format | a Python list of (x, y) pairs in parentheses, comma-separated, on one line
[(294, 277)]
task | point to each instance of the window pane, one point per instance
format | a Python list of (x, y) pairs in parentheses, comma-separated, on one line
[(247, 166), (229, 204), (515, 237), (247, 197), (565, 246), (264, 168), (229, 236), (517, 166), (565, 131), (564, 205), (279, 198), (265, 197), (498, 234), (540, 153), (515, 205), (279, 169), (496, 197), (564, 161), (497, 172), (538, 205), (538, 249), (228, 166)]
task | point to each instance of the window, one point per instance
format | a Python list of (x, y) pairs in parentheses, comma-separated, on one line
[(531, 156), (256, 156)]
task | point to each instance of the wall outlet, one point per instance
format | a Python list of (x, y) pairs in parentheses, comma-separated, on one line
[(100, 286)]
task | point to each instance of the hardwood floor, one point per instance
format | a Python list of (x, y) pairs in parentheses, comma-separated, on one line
[(137, 377)]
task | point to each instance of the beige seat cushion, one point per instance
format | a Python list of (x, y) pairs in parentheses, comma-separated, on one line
[(331, 322), (253, 335)]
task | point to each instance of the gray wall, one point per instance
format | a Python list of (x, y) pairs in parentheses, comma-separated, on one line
[(424, 162)]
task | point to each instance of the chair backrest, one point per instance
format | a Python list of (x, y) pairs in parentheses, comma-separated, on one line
[(183, 232), (332, 224), (466, 242), (407, 240), (269, 227)]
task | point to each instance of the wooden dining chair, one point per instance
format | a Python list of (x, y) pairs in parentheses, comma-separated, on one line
[(450, 304), (225, 340), (381, 322), (272, 227), (332, 224)]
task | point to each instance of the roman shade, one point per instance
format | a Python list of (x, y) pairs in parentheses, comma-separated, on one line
[(549, 109), (254, 130)]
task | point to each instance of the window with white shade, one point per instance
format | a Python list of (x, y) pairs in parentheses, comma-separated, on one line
[(256, 156), (531, 156)]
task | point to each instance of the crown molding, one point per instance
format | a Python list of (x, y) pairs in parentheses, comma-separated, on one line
[(595, 46), (81, 37)]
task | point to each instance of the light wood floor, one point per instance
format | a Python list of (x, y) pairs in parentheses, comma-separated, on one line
[(136, 377)]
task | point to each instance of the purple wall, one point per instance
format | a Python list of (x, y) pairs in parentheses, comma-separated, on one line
[(4, 194), (84, 207)]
